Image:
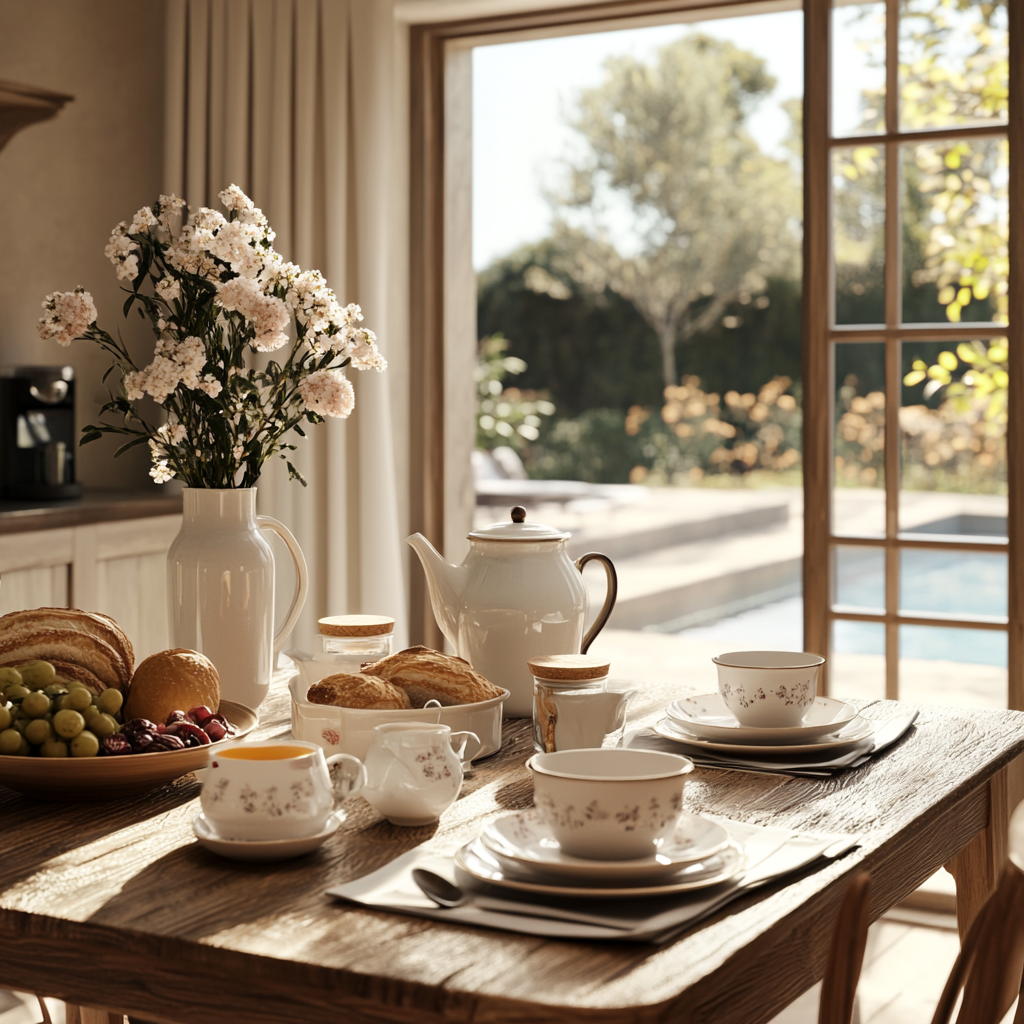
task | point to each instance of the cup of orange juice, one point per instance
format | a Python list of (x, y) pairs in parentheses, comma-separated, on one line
[(277, 789)]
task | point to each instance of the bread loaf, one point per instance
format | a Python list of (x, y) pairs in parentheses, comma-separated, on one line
[(430, 675), (71, 646), (343, 690), (174, 680), (92, 623)]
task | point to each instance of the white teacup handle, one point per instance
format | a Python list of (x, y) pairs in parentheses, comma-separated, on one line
[(459, 740), (348, 780)]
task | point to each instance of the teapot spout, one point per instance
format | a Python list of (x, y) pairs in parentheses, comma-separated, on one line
[(445, 584)]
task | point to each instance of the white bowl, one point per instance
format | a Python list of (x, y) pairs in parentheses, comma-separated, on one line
[(768, 689), (350, 730), (611, 803)]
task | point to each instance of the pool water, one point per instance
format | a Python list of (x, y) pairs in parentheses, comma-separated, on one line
[(939, 582)]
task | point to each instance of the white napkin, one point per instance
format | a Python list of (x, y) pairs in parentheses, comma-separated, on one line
[(771, 853)]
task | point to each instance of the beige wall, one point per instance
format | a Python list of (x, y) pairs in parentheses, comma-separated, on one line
[(66, 182)]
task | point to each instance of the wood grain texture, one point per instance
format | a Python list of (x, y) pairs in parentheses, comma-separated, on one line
[(846, 953), (175, 934)]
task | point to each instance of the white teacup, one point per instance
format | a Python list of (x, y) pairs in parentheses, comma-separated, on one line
[(610, 804), (768, 689), (277, 789)]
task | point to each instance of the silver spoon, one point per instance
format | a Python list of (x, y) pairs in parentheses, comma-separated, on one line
[(440, 890), (448, 895)]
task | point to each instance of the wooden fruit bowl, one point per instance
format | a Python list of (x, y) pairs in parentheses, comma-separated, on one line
[(110, 778)]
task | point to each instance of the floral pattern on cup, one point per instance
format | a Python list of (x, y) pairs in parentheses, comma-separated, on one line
[(269, 801), (801, 695), (630, 817)]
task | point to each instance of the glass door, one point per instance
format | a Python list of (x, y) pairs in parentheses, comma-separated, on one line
[(909, 351)]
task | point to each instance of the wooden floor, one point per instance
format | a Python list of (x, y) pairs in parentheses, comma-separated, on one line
[(905, 968)]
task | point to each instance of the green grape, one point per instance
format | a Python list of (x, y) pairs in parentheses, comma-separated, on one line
[(10, 741), (85, 744), (78, 699), (68, 724), (54, 748), (16, 691), (21, 723), (38, 673), (110, 701), (103, 726), (36, 704), (25, 749), (9, 677), (5, 718), (90, 713), (38, 731)]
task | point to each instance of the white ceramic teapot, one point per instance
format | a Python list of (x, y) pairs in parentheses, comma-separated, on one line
[(516, 596), (414, 770)]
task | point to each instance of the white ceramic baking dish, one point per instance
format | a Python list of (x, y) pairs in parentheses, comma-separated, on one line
[(350, 730)]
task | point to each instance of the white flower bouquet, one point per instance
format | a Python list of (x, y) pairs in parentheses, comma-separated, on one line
[(220, 292)]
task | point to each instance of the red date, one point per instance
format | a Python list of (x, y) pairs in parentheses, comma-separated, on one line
[(190, 734)]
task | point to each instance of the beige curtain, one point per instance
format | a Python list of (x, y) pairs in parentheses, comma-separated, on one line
[(287, 99)]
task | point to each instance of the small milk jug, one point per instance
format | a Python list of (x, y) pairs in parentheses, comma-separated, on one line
[(414, 770)]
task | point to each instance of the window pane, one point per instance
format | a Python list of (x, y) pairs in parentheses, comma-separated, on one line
[(857, 662), (858, 69), (955, 230), (953, 426), (858, 230), (953, 582), (858, 498), (954, 63), (860, 578), (953, 667)]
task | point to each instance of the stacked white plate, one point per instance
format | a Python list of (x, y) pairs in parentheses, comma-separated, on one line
[(705, 722), (519, 852)]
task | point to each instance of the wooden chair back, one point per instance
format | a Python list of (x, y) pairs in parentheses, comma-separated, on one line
[(846, 954), (990, 965)]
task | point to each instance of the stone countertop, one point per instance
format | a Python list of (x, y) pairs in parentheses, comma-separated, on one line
[(95, 506)]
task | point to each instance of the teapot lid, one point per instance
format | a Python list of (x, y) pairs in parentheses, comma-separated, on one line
[(519, 529)]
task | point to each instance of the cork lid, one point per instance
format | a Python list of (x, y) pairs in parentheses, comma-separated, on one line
[(569, 667), (356, 625)]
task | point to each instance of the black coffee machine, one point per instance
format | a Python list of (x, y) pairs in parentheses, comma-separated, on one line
[(37, 433)]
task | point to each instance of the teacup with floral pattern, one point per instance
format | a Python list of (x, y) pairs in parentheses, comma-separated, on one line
[(768, 689)]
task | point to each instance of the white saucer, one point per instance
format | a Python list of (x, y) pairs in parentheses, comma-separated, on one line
[(707, 716), (482, 864), (525, 840), (849, 736), (261, 849)]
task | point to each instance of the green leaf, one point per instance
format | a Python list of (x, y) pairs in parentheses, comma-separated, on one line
[(131, 444), (93, 435), (294, 474)]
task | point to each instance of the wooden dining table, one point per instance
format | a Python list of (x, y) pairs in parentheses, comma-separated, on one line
[(114, 906)]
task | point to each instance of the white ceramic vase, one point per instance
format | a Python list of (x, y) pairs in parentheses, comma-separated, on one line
[(220, 589)]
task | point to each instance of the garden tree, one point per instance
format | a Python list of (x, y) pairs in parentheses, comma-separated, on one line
[(594, 350), (667, 149)]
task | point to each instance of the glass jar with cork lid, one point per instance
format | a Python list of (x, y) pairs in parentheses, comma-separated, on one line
[(349, 642), (573, 707)]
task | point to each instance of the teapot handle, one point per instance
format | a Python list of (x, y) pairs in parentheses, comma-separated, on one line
[(609, 598)]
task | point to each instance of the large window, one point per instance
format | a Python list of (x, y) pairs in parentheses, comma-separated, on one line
[(911, 572)]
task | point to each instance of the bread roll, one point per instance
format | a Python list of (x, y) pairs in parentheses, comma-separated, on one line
[(430, 675), (343, 690), (174, 680), (93, 623), (18, 646)]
